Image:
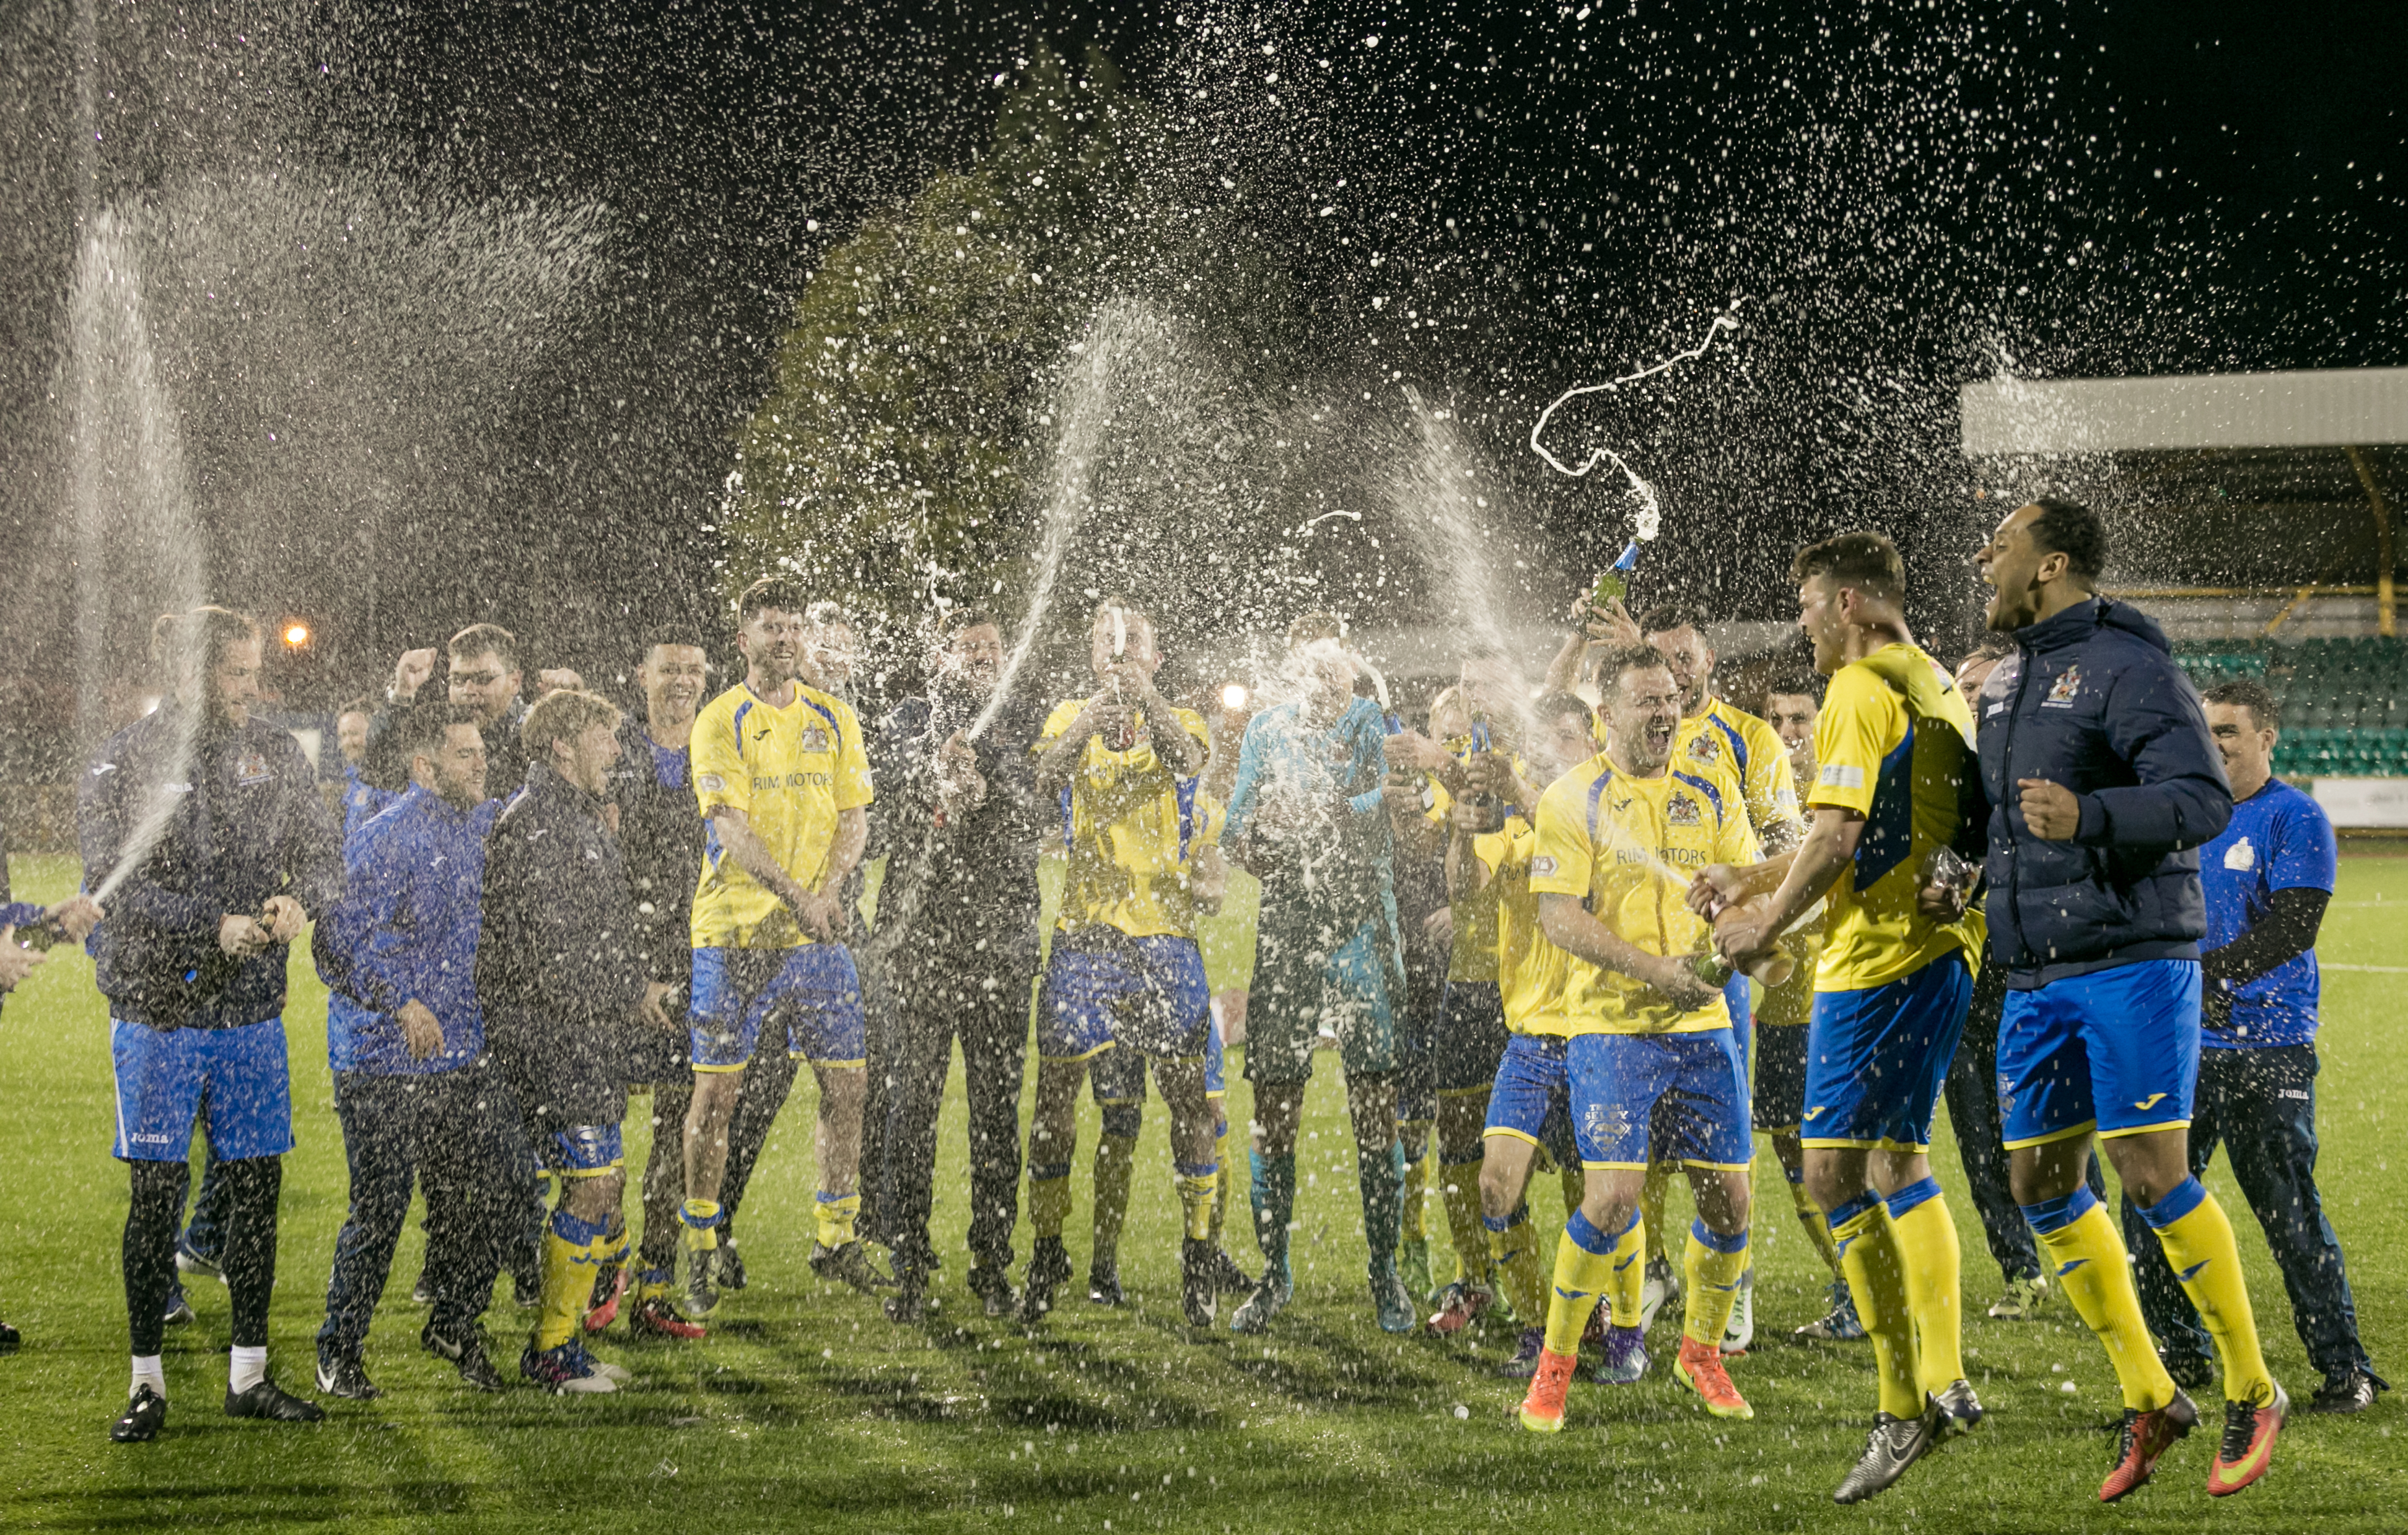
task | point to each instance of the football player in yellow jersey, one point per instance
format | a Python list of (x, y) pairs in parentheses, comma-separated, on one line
[(780, 772), (1525, 1107), (1714, 733), (1652, 1065), (1791, 706), (1125, 972), (1895, 786)]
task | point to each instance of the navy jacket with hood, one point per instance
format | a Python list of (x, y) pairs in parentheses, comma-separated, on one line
[(246, 824), (2094, 701)]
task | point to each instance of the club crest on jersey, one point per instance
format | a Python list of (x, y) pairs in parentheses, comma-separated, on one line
[(2061, 692), (1543, 866), (2241, 857), (1707, 749), (1681, 810), (815, 739), (252, 767)]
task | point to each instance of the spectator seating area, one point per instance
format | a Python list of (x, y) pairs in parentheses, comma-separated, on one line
[(2345, 701)]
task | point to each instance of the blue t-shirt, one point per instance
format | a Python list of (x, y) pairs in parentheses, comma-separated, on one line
[(2279, 839)]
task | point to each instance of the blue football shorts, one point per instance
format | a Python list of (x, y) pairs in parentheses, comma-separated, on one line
[(163, 1076), (1148, 994), (1876, 1058), (1662, 1098), (1530, 1099), (583, 1151), (2115, 1050), (811, 993)]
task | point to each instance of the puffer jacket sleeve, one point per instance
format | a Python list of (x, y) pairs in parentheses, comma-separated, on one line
[(2155, 724)]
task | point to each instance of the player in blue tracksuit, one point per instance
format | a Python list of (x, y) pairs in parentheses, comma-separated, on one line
[(2268, 878), (407, 1043), (2101, 784), (191, 960)]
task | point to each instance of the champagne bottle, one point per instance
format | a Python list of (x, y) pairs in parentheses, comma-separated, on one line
[(1492, 811), (1613, 585), (41, 935)]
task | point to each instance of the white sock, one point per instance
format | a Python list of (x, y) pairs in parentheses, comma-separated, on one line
[(149, 1372), (248, 1368)]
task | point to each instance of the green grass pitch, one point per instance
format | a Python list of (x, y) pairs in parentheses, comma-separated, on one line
[(807, 1409)]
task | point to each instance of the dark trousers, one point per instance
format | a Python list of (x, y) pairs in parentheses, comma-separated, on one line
[(767, 1080), (205, 1233), (967, 979), (2261, 1105), (453, 1133), (252, 1186)]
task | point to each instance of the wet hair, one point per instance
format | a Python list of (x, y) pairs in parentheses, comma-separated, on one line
[(825, 611), (2255, 696), (188, 647), (355, 706), (563, 715), (1665, 617), (1448, 696), (2075, 531), (1554, 706), (486, 639), (1991, 647), (1794, 685), (962, 617), (1859, 558), (782, 594), (423, 729), (1623, 659), (669, 634), (1307, 627)]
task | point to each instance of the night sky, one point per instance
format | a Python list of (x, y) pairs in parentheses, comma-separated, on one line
[(1902, 197)]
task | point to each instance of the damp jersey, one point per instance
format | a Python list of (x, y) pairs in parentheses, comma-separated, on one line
[(1531, 972), (1629, 847), (1895, 744), (1478, 935), (1129, 825), (1733, 739), (792, 771)]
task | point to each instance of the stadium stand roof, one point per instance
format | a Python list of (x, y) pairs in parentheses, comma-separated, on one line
[(2257, 492)]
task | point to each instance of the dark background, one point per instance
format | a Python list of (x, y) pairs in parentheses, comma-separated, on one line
[(1904, 197)]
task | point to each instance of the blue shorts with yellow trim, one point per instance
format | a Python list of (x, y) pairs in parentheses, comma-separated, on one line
[(810, 994), (1876, 1058), (1146, 993), (1530, 1099), (1471, 1039), (166, 1077), (1659, 1097), (2115, 1050), (583, 1151)]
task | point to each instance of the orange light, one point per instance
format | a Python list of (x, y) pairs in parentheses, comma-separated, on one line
[(297, 635)]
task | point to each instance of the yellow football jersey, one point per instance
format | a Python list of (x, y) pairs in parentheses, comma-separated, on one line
[(1895, 744), (1531, 972), (1478, 936), (792, 771), (1721, 737), (1628, 848), (1128, 824)]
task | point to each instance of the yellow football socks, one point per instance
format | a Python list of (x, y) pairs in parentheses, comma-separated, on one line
[(1810, 1215), (573, 1251), (1513, 1254), (2198, 1239), (2087, 1255), (1049, 1199), (1115, 1170), (1584, 1269), (701, 1218), (1712, 1264), (834, 1215), (1459, 1186), (1876, 1275), (1195, 1182), (1926, 1240)]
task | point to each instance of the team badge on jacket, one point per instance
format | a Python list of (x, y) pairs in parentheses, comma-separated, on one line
[(252, 767), (2061, 692)]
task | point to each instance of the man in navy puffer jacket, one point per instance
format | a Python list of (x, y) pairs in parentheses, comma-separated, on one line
[(2103, 782)]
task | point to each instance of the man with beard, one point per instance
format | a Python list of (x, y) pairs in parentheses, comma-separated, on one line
[(959, 921), (484, 675), (191, 960), (1311, 814)]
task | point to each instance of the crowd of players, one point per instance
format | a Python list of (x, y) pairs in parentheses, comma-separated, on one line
[(1559, 926)]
